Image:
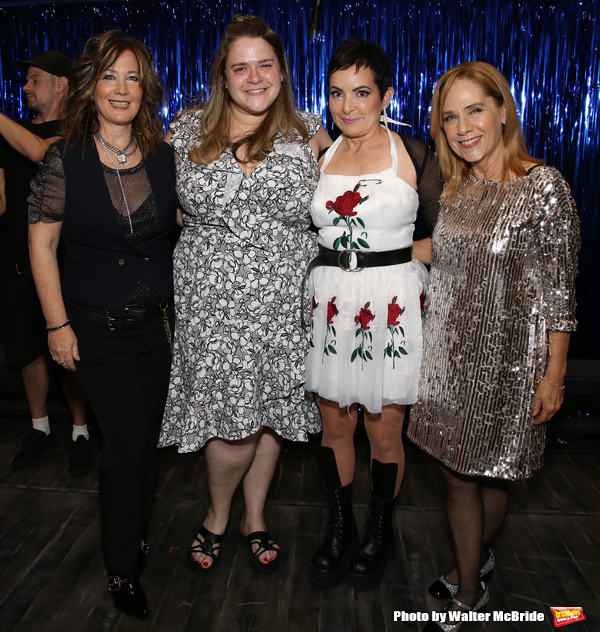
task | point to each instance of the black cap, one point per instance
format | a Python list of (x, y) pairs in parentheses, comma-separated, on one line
[(50, 61)]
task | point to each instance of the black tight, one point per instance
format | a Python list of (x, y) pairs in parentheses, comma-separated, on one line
[(476, 509)]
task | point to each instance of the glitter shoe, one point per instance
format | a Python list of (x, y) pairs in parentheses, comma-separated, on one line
[(443, 589), (439, 626)]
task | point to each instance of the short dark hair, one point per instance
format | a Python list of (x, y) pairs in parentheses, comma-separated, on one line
[(363, 54)]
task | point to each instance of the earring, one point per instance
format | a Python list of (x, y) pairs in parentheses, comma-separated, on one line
[(384, 116)]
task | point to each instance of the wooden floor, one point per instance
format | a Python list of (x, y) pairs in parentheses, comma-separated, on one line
[(52, 577)]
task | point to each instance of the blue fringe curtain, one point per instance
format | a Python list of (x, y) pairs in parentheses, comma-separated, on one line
[(549, 51)]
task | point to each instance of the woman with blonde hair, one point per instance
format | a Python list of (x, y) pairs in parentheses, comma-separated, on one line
[(246, 174), (499, 312), (107, 190)]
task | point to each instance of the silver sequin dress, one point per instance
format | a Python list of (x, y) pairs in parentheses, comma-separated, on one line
[(502, 277), (238, 361)]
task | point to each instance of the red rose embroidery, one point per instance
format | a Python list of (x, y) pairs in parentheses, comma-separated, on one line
[(364, 317), (332, 311), (395, 347), (363, 335), (329, 345), (422, 299), (394, 310), (344, 204)]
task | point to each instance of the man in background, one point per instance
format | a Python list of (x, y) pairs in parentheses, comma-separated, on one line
[(22, 144)]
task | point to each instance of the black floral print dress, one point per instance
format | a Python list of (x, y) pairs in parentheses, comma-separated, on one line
[(239, 353)]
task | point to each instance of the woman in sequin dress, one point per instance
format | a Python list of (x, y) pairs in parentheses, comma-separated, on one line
[(500, 306), (246, 173), (365, 325)]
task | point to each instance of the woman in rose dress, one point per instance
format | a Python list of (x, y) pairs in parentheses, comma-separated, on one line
[(366, 286)]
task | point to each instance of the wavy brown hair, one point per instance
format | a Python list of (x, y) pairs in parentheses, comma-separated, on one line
[(281, 119), (81, 121), (456, 169)]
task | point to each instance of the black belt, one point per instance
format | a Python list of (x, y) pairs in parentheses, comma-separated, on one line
[(342, 258), (132, 317)]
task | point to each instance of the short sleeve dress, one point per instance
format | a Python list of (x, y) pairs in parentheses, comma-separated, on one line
[(239, 351), (365, 327), (502, 277)]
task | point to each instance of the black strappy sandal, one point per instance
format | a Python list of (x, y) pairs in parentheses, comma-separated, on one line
[(265, 543), (209, 546)]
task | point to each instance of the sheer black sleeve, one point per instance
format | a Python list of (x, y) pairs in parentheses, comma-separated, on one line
[(47, 197), (429, 185)]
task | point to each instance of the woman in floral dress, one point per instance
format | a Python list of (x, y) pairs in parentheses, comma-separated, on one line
[(246, 174), (367, 288)]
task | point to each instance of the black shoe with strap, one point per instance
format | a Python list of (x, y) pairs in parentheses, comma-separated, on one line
[(443, 589), (264, 543), (209, 544)]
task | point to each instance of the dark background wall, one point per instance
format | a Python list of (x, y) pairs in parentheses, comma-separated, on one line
[(548, 50)]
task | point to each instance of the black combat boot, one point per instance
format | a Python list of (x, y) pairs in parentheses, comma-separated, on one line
[(367, 564), (328, 564)]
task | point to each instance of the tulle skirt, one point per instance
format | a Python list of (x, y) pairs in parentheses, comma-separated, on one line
[(365, 334)]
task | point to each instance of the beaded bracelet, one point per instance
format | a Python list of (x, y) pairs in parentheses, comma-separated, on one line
[(559, 388), (67, 322)]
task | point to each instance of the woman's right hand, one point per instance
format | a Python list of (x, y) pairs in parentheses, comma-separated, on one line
[(63, 347)]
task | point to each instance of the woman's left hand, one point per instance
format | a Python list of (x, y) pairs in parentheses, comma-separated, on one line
[(548, 399), (547, 402)]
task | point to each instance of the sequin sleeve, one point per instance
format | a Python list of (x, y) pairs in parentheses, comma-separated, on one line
[(558, 242), (47, 197)]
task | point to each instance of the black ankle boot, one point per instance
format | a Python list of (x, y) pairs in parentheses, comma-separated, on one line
[(366, 566), (128, 595), (329, 562)]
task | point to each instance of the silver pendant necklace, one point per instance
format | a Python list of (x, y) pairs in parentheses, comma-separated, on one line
[(120, 184), (122, 154)]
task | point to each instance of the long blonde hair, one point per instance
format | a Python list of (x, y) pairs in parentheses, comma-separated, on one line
[(456, 169), (281, 119)]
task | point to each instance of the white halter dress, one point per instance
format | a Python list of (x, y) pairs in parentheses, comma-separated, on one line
[(365, 326)]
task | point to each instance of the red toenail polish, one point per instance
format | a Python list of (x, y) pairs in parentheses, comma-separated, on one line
[(204, 564)]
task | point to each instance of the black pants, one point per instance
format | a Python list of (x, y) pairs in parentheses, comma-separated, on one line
[(125, 375)]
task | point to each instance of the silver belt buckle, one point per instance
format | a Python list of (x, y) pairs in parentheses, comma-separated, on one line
[(345, 256)]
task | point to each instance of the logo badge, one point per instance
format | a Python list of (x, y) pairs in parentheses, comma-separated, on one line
[(566, 615)]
